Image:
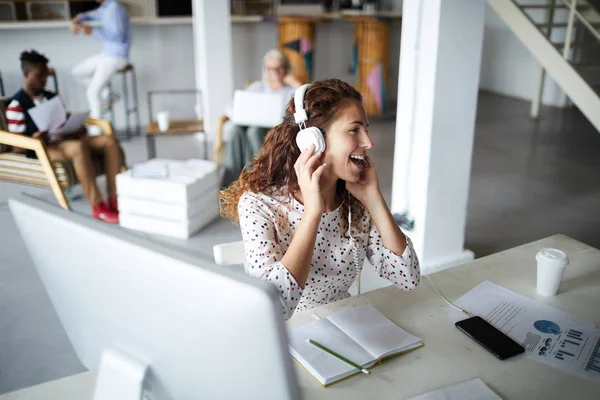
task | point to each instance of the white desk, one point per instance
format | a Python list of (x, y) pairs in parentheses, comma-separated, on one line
[(449, 356)]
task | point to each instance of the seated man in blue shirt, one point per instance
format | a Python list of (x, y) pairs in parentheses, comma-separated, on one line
[(96, 71)]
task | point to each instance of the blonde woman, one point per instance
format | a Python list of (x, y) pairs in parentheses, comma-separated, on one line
[(246, 140)]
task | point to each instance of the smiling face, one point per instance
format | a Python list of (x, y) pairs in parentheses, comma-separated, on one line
[(347, 141)]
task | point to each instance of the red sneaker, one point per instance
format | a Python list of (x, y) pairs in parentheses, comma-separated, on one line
[(112, 203), (103, 212)]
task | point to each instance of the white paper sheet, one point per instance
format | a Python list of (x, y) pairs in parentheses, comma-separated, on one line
[(49, 115), (474, 389), (549, 335), (74, 123)]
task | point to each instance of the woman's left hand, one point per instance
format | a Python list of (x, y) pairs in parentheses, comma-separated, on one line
[(367, 188)]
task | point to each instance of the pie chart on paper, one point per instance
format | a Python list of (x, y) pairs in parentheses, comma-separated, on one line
[(547, 327)]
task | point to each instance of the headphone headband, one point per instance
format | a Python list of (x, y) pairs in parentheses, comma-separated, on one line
[(300, 115)]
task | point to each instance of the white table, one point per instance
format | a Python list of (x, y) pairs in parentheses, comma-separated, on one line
[(449, 356)]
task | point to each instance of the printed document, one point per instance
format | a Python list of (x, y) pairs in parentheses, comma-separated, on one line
[(549, 335)]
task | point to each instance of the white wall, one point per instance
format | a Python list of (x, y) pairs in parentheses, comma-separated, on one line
[(333, 51), (508, 68), (164, 57)]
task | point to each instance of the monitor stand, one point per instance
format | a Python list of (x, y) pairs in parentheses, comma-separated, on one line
[(120, 376)]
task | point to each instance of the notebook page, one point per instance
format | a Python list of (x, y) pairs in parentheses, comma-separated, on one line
[(373, 331), (325, 367)]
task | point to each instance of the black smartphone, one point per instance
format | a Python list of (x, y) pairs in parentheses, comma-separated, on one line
[(492, 339)]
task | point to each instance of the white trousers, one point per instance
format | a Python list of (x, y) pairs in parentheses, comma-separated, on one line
[(95, 72)]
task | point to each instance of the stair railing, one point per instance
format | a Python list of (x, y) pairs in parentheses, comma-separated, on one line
[(573, 13)]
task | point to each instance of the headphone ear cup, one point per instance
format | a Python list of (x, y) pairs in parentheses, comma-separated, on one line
[(308, 136)]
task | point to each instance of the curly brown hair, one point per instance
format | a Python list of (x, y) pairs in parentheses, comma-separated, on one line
[(272, 172)]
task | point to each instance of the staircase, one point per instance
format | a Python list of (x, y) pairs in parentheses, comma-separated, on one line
[(564, 37)]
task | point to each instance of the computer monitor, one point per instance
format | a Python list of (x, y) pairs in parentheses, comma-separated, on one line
[(154, 321)]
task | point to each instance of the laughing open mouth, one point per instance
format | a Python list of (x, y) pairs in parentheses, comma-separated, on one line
[(358, 161)]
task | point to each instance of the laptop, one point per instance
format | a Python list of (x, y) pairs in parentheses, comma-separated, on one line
[(258, 108)]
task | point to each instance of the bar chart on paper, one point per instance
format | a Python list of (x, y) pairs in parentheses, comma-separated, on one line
[(576, 350), (571, 345), (550, 336), (593, 363)]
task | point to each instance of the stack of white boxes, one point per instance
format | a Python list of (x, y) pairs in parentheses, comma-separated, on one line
[(167, 197)]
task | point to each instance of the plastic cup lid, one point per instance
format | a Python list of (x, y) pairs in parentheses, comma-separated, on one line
[(552, 256)]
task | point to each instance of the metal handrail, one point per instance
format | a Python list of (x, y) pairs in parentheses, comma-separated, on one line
[(574, 13), (572, 5)]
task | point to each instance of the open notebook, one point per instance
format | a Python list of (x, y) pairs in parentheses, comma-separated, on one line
[(362, 335)]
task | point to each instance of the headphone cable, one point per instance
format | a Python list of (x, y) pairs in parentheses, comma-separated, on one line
[(446, 300)]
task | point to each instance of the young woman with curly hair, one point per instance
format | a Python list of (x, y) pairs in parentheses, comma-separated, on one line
[(301, 213)]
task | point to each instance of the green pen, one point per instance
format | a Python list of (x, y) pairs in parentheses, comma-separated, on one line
[(338, 356)]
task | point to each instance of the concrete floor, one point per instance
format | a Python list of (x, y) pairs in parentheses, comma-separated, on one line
[(532, 179), (529, 180)]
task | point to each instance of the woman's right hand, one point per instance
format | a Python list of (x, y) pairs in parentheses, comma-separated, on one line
[(309, 174)]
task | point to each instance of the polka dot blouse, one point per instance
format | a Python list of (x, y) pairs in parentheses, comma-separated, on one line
[(268, 225)]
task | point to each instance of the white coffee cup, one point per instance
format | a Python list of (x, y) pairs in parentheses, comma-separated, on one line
[(163, 121), (551, 265)]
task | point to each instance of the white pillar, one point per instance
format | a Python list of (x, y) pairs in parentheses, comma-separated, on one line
[(440, 60), (213, 64)]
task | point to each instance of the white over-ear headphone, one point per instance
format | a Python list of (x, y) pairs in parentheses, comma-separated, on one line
[(310, 135)]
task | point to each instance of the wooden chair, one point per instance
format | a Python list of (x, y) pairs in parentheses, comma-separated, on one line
[(219, 146), (57, 175)]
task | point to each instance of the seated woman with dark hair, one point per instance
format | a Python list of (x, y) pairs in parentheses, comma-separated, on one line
[(309, 218)]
